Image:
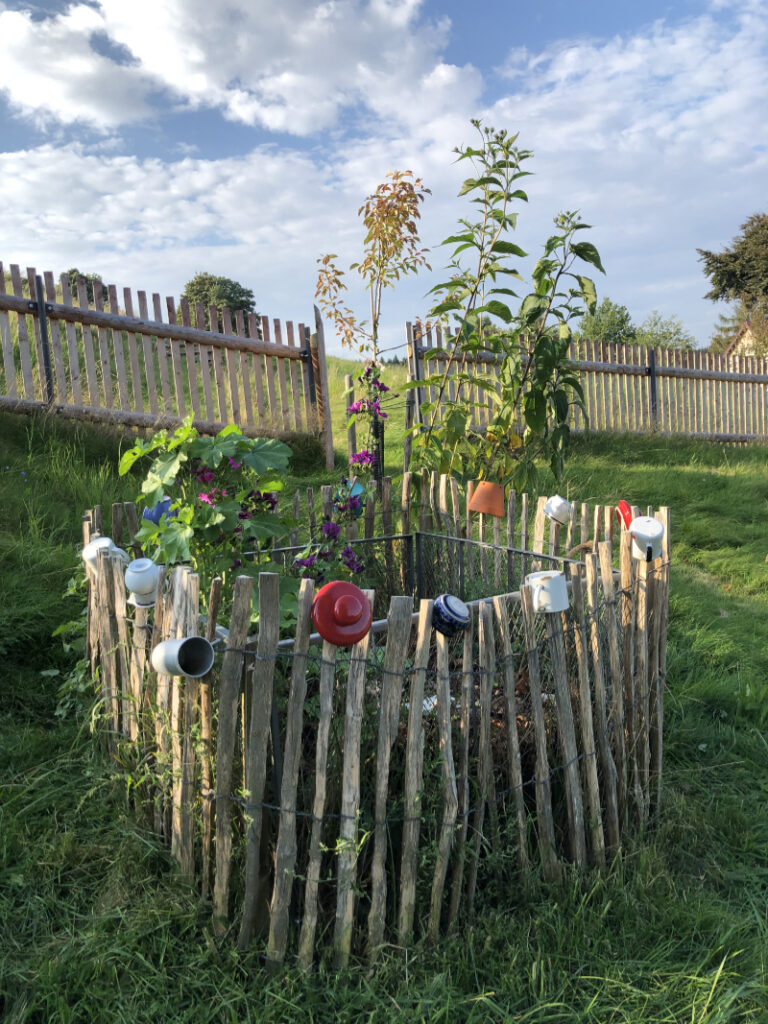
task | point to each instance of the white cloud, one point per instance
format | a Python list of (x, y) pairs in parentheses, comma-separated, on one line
[(51, 72), (290, 67)]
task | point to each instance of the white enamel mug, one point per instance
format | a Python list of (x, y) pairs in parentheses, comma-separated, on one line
[(190, 656), (558, 509), (91, 551), (548, 590), (141, 577), (646, 533)]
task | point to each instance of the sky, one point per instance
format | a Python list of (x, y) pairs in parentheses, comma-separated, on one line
[(149, 140)]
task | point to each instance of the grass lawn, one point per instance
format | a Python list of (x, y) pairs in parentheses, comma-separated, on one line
[(95, 926)]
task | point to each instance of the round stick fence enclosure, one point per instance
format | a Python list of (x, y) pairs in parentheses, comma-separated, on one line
[(329, 800)]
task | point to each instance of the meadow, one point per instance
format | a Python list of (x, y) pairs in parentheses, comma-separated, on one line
[(95, 925)]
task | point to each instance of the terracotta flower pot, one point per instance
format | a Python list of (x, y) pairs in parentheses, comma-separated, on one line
[(487, 498)]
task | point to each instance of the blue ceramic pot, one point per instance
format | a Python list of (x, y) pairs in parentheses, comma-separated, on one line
[(156, 513), (450, 615)]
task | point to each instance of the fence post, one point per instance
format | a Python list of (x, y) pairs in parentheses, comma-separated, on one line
[(306, 355), (40, 306), (651, 372), (320, 366)]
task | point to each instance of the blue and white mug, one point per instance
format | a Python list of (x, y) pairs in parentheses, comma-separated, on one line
[(449, 615)]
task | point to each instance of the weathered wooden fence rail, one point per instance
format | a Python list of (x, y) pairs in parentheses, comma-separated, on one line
[(634, 388), (86, 360), (330, 800)]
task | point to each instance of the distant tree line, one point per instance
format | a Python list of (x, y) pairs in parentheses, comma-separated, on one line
[(612, 322)]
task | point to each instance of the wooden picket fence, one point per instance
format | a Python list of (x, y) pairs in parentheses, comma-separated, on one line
[(330, 800), (88, 361), (632, 388)]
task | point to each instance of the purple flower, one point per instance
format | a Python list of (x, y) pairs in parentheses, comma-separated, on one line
[(363, 458), (307, 562), (379, 386), (205, 476), (208, 499), (350, 560), (355, 407), (234, 463), (236, 564), (331, 530)]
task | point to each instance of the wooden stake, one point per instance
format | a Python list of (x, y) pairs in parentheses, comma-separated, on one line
[(309, 921), (414, 768), (229, 692), (585, 718), (206, 737), (350, 800), (261, 681), (617, 712), (567, 732), (450, 798), (550, 864), (515, 769), (285, 854), (398, 636)]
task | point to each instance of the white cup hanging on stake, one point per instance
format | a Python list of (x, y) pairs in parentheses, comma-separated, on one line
[(549, 591), (558, 510), (141, 578), (647, 534), (91, 551), (190, 656)]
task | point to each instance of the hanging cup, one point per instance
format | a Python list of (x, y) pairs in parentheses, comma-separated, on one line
[(646, 533), (558, 510), (90, 552), (141, 578), (548, 590), (190, 656)]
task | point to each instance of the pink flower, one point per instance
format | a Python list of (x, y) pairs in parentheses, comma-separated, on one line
[(207, 498)]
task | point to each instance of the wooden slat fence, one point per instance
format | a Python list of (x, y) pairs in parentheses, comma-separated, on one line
[(633, 388), (102, 361), (375, 794)]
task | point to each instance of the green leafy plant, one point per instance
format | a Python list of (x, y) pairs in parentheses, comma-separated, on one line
[(529, 384), (223, 496)]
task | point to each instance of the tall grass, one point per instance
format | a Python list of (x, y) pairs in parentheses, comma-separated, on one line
[(95, 924)]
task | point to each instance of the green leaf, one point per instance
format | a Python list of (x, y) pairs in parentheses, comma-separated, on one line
[(507, 248), (445, 307), (589, 292), (496, 309), (535, 411), (587, 252)]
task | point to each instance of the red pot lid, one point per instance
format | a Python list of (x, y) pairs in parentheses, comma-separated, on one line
[(624, 513), (341, 612)]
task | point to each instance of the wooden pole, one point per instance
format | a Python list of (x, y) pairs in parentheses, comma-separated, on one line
[(414, 768), (398, 635), (585, 718), (309, 921), (450, 798), (229, 693), (261, 681), (285, 854), (350, 800)]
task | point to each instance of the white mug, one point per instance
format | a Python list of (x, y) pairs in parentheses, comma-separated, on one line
[(558, 509), (91, 551), (548, 590), (646, 533), (141, 578), (190, 656)]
